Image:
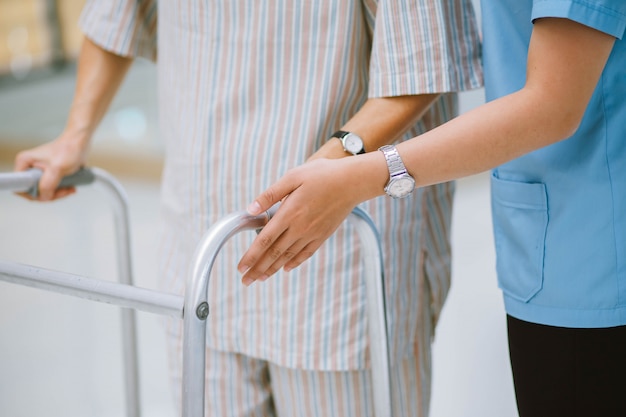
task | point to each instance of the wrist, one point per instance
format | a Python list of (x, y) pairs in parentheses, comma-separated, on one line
[(74, 140), (401, 183), (84, 116), (370, 174), (333, 149), (78, 129)]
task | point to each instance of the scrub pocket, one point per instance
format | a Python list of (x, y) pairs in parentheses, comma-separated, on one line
[(520, 212)]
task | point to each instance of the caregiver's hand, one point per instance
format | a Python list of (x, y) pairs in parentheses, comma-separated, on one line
[(321, 194)]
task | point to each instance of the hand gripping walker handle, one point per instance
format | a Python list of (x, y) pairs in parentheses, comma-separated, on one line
[(81, 177)]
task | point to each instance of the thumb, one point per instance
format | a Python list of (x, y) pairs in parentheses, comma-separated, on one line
[(272, 195)]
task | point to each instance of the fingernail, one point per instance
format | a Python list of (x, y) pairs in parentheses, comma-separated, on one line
[(247, 281), (254, 208), (263, 277), (243, 268)]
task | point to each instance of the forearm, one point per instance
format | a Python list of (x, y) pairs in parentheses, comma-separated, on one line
[(381, 121), (474, 142), (100, 73), (483, 138)]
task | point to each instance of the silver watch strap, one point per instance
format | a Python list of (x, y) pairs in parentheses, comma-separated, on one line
[(394, 162)]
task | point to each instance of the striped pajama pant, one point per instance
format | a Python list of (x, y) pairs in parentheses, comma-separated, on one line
[(241, 386), (238, 385)]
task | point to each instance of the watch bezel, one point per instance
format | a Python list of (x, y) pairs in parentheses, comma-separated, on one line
[(389, 188), (343, 137), (352, 139)]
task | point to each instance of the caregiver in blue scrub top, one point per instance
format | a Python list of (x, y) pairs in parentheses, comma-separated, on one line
[(554, 132)]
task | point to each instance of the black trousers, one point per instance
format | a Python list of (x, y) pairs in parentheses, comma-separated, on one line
[(568, 372)]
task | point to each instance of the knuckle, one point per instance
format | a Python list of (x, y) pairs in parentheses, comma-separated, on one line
[(22, 160), (267, 197), (265, 240), (271, 271), (305, 255), (274, 253), (21, 156)]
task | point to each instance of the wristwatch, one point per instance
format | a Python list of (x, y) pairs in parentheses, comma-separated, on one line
[(400, 184), (351, 142)]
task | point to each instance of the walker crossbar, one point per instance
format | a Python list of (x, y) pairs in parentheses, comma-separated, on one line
[(194, 308), (122, 295)]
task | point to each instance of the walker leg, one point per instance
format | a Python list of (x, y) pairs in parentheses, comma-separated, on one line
[(376, 309), (125, 274)]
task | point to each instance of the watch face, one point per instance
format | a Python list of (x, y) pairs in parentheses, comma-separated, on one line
[(400, 187), (352, 143)]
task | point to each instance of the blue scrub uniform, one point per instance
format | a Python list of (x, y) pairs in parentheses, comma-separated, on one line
[(559, 213)]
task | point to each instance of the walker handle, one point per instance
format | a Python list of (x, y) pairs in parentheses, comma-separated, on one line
[(83, 176), (27, 181)]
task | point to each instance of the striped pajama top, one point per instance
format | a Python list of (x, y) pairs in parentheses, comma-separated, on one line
[(249, 89)]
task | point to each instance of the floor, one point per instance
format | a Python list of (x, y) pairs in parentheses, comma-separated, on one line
[(61, 355)]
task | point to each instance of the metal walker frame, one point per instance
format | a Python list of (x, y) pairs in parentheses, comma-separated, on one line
[(193, 308)]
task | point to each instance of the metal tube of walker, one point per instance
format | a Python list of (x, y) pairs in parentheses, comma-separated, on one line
[(108, 292), (125, 275), (197, 308)]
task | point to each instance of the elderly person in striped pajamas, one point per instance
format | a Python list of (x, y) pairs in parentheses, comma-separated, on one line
[(247, 90)]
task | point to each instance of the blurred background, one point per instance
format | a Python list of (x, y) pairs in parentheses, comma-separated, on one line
[(39, 42), (61, 355)]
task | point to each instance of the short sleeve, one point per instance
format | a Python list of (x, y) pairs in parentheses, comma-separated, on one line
[(425, 46), (607, 16), (124, 27)]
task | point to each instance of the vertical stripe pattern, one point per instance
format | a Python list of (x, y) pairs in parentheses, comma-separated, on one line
[(249, 89), (127, 28), (242, 386)]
